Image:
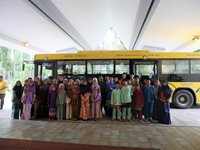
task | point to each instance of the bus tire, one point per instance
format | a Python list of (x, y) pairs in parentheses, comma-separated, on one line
[(183, 99)]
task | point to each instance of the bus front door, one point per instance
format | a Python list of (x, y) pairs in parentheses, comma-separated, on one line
[(45, 70), (144, 69)]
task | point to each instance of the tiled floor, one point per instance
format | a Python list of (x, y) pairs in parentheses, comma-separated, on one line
[(105, 132), (184, 133)]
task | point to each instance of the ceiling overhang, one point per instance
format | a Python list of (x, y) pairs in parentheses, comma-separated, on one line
[(144, 13), (53, 14)]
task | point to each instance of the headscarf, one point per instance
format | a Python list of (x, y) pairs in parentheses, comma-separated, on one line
[(61, 91), (85, 88), (95, 84)]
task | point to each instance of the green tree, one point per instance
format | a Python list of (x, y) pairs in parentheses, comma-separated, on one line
[(11, 65)]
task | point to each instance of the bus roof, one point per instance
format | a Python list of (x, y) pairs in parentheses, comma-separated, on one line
[(127, 54)]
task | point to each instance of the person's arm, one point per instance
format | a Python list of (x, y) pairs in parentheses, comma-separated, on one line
[(169, 94), (4, 86)]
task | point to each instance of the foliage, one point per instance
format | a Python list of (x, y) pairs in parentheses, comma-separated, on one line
[(11, 65), (197, 50)]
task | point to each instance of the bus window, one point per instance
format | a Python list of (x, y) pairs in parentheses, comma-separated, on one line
[(100, 67), (195, 66), (175, 66), (71, 67), (122, 66), (182, 66), (168, 66)]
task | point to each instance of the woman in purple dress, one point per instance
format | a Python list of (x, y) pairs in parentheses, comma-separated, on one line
[(96, 99), (28, 99)]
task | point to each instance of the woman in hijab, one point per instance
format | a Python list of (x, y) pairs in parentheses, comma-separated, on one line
[(85, 100), (75, 101), (17, 95), (28, 98), (96, 99), (164, 94)]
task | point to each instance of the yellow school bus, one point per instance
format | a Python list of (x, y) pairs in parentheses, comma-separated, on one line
[(181, 69)]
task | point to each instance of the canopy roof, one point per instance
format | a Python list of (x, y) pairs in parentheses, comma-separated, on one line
[(50, 26)]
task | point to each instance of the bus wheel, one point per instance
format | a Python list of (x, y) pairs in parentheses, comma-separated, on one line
[(183, 99)]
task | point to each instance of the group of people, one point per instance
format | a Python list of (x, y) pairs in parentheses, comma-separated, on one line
[(85, 99)]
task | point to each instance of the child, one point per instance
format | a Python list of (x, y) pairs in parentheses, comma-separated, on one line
[(137, 102), (148, 91), (116, 102), (52, 102), (61, 99), (109, 88), (126, 100)]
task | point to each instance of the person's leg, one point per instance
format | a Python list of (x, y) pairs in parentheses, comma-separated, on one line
[(118, 113), (129, 113), (140, 114), (135, 114), (124, 113), (150, 111), (2, 96), (114, 113)]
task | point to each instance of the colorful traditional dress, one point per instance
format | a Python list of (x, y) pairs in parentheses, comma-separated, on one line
[(102, 84), (157, 103), (96, 102), (61, 102), (68, 102), (37, 102), (148, 91), (52, 104), (75, 102), (28, 100), (164, 94), (126, 101), (109, 88), (137, 103), (43, 96), (85, 102), (116, 103)]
